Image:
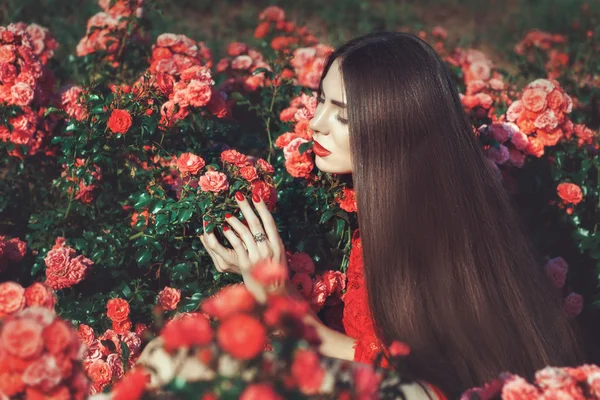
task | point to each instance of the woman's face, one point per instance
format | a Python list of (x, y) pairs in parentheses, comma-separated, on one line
[(330, 124)]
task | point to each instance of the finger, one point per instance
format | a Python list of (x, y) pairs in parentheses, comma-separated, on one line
[(236, 243), (215, 258), (243, 232), (249, 215), (268, 222)]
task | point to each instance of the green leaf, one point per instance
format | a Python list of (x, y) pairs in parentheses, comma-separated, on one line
[(143, 201), (142, 256), (193, 302), (326, 216), (237, 96), (185, 214), (36, 268), (51, 110), (72, 126), (340, 224)]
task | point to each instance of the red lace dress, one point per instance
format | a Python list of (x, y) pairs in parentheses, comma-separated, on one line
[(357, 317)]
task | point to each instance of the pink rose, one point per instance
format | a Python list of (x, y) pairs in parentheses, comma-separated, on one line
[(8, 73), (43, 372), (293, 147), (556, 269), (213, 181), (12, 298), (498, 155), (573, 304), (479, 70), (518, 388), (116, 365), (546, 120), (519, 140), (199, 93), (86, 334), (22, 94), (516, 157), (242, 62), (543, 84), (22, 338), (534, 99), (236, 48), (499, 132)]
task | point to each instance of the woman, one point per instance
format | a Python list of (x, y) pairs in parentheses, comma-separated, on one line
[(447, 266)]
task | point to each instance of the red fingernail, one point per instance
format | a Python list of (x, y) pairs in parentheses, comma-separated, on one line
[(205, 223), (239, 196), (255, 197), (228, 215), (225, 228)]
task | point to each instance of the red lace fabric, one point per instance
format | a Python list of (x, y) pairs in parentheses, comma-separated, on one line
[(357, 317)]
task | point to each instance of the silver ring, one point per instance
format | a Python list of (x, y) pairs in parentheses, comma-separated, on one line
[(260, 237)]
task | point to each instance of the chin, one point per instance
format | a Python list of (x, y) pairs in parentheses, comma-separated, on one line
[(331, 167)]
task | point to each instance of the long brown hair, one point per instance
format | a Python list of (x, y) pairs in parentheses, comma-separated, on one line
[(449, 269)]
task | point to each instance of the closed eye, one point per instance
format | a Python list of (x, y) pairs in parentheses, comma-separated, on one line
[(342, 120)]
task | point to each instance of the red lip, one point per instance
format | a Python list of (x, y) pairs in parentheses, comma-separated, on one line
[(320, 150)]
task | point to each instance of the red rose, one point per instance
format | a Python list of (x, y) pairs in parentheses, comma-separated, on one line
[(121, 327), (347, 200), (165, 83), (570, 193), (228, 301), (169, 298), (12, 298), (242, 336), (15, 249), (335, 282), (11, 384), (307, 371), (199, 93), (119, 121), (86, 334), (22, 94), (40, 295), (117, 310), (302, 262), (260, 391), (398, 349), (234, 157), (366, 381), (132, 386), (116, 365), (192, 330), (58, 336), (190, 163), (266, 192), (22, 338), (249, 173), (304, 284)]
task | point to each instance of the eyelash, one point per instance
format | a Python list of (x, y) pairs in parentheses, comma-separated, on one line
[(342, 120)]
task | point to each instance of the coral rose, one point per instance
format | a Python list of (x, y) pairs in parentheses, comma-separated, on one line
[(117, 310), (228, 301), (570, 193), (12, 298), (260, 391), (347, 200), (22, 94), (40, 295), (234, 157), (249, 173), (266, 192), (190, 163), (192, 330), (302, 263), (534, 99), (22, 338), (119, 121), (213, 181), (169, 297), (307, 371), (199, 93), (242, 336)]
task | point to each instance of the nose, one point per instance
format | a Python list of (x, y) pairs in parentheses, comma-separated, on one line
[(318, 122)]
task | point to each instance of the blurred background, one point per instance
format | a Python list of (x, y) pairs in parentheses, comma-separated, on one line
[(492, 26)]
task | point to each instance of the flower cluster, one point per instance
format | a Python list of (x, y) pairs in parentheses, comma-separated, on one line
[(578, 383), (300, 112), (15, 298), (308, 63), (168, 298), (181, 69), (107, 30), (239, 65), (104, 361), (40, 357), (82, 185), (284, 33), (25, 83), (551, 44), (541, 114), (72, 104), (475, 65), (226, 342), (556, 269), (63, 268), (11, 250)]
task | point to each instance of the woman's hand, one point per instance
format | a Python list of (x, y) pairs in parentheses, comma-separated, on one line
[(256, 242)]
